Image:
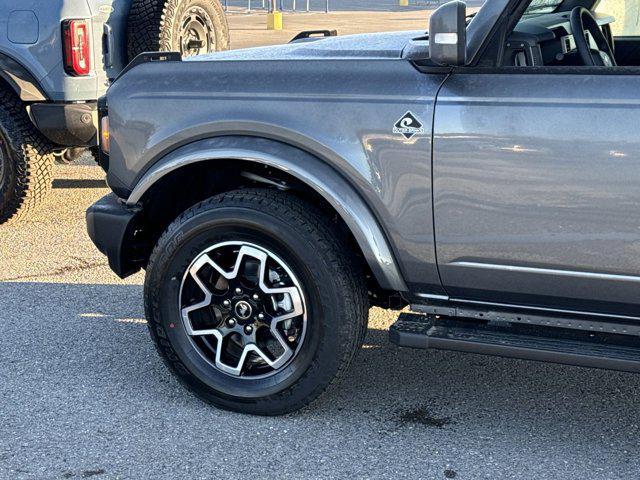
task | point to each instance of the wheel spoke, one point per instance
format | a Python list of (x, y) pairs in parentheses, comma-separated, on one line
[(193, 273), (296, 311), (296, 300), (237, 370)]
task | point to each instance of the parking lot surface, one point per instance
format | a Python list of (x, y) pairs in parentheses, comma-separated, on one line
[(249, 30), (83, 394)]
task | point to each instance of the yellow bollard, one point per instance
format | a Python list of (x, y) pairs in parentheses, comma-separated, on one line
[(403, 3), (274, 20)]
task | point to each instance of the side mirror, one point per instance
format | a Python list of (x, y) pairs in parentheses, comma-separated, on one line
[(448, 34)]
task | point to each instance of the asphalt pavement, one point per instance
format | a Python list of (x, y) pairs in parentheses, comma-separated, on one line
[(83, 393)]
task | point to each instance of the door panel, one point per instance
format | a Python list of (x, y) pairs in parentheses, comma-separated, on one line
[(537, 190), (627, 50)]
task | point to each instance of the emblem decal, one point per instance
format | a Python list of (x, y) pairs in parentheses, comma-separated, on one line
[(408, 126), (243, 310), (105, 9)]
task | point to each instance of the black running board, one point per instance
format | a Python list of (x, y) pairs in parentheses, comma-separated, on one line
[(586, 349)]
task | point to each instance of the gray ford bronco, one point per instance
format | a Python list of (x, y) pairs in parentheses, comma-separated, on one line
[(486, 174), (58, 56)]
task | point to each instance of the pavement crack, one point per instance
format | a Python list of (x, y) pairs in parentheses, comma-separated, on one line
[(60, 271)]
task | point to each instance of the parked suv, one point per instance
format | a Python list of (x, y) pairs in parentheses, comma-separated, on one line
[(58, 56), (487, 174)]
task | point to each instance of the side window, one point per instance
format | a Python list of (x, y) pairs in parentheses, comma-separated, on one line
[(626, 13)]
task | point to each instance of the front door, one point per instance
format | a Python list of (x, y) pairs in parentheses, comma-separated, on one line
[(537, 189)]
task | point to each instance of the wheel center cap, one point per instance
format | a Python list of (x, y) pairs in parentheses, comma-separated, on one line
[(243, 310)]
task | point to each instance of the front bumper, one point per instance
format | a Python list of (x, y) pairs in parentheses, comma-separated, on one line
[(67, 124), (111, 226)]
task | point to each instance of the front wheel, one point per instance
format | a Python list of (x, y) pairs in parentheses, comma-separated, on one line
[(254, 302)]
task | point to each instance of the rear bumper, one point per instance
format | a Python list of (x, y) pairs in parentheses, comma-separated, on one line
[(67, 124), (111, 226)]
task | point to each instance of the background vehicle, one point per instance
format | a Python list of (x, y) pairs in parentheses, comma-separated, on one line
[(486, 174), (58, 56)]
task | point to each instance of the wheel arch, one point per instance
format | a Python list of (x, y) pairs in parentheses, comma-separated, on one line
[(20, 80), (308, 169)]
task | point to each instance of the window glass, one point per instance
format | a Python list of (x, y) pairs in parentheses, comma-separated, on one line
[(626, 13)]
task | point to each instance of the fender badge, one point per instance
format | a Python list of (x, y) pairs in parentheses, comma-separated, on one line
[(105, 9), (408, 126)]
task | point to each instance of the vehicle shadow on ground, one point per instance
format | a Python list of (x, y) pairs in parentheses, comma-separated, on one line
[(96, 335), (78, 183)]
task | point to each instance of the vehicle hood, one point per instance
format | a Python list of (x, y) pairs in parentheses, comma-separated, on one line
[(369, 45)]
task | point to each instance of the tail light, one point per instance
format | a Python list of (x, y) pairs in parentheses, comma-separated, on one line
[(77, 47)]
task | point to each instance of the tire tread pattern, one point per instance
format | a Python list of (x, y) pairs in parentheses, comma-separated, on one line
[(32, 161)]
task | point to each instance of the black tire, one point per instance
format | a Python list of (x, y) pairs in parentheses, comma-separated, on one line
[(331, 279), (26, 161), (94, 152), (156, 25)]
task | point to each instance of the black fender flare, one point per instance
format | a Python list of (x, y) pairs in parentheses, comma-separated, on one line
[(20, 80), (307, 168)]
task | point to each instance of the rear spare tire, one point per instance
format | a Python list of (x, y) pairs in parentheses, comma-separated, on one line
[(26, 161), (191, 27)]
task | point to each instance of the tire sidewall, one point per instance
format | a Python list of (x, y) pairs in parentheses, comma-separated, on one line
[(28, 161), (8, 170), (322, 344)]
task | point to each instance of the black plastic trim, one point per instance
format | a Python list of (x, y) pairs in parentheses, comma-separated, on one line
[(549, 70), (528, 315), (146, 57), (546, 345), (103, 111), (67, 124), (310, 35), (20, 80), (111, 226)]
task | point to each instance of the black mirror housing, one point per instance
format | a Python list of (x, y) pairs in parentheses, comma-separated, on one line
[(448, 34)]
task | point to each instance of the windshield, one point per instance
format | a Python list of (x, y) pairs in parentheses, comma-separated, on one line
[(542, 6)]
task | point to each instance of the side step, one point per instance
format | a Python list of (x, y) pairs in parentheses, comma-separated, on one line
[(546, 344)]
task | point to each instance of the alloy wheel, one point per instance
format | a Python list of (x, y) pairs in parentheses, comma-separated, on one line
[(197, 33), (243, 309)]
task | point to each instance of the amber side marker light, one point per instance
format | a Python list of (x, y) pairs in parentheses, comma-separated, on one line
[(104, 134)]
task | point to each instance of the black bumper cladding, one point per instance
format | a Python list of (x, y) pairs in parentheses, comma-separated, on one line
[(111, 225), (66, 124)]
